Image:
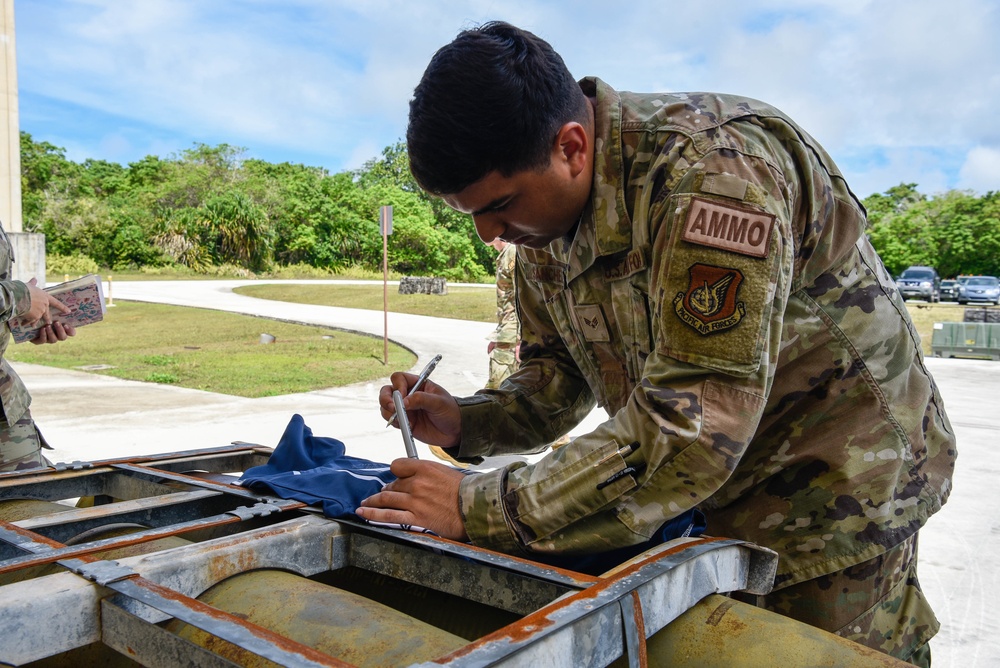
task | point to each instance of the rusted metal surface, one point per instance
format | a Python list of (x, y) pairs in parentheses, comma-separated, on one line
[(33, 550), (721, 632), (444, 546), (219, 533), (465, 577), (247, 635), (585, 628), (352, 628), (131, 636)]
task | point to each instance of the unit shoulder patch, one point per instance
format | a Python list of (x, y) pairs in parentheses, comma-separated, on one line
[(709, 305), (728, 227)]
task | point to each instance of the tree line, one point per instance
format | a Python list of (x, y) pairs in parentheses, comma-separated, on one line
[(956, 232), (210, 207)]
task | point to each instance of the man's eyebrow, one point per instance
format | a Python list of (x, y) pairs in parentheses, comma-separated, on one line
[(494, 204)]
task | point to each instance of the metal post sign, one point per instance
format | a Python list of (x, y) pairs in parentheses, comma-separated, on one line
[(385, 226), (385, 220)]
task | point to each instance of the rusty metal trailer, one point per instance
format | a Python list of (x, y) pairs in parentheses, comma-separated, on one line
[(161, 561)]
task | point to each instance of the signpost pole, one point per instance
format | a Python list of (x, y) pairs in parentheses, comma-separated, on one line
[(385, 222)]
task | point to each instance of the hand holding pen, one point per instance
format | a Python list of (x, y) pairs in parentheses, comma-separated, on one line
[(421, 379), (433, 413), (404, 425)]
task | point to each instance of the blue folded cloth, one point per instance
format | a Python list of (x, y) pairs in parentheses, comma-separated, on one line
[(315, 470)]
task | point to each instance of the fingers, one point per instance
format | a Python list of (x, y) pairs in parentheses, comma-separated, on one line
[(404, 468), (54, 333), (39, 304), (61, 331), (388, 515), (398, 381), (45, 335), (386, 499), (58, 305)]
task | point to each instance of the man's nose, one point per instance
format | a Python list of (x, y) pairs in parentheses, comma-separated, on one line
[(488, 227)]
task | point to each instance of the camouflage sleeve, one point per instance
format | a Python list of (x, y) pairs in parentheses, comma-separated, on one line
[(15, 299), (545, 398), (716, 310)]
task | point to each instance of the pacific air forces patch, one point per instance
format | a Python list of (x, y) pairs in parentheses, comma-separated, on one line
[(710, 303), (715, 297)]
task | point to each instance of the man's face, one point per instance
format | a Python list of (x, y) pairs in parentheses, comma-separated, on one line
[(529, 208)]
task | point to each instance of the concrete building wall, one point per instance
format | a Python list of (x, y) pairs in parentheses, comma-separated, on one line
[(10, 135), (29, 248), (29, 256)]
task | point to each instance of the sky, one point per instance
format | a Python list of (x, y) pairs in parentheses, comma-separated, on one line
[(897, 91)]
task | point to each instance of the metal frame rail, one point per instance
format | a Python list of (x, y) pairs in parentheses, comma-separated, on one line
[(565, 618)]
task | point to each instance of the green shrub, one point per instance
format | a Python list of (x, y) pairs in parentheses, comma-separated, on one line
[(299, 270), (74, 265)]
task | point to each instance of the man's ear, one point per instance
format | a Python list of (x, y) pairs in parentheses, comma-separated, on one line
[(572, 147)]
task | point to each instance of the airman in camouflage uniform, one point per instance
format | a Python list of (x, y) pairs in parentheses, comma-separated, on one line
[(719, 298), (504, 339), (20, 441)]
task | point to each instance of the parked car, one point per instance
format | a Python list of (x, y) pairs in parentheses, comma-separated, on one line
[(949, 290), (980, 289), (920, 283)]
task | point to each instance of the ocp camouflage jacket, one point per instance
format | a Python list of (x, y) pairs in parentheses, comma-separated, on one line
[(720, 300)]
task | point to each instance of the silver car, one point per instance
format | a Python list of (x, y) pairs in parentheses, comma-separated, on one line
[(980, 289)]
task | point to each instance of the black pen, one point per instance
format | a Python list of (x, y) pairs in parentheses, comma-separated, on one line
[(421, 379)]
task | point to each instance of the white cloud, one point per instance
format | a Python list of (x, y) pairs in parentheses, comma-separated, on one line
[(981, 170), (330, 79)]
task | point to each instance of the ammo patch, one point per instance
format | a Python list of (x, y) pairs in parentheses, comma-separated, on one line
[(709, 305), (592, 323), (729, 227)]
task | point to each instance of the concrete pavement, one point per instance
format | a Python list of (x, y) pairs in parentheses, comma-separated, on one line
[(88, 417)]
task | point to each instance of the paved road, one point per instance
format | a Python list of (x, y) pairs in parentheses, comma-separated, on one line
[(90, 417)]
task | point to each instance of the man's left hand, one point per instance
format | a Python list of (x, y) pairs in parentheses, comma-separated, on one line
[(425, 494)]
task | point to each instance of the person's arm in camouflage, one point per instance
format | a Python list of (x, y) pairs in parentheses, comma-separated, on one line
[(15, 299)]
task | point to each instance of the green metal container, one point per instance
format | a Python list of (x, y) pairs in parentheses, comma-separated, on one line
[(966, 339)]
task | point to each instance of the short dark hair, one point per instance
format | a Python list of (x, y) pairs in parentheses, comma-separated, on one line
[(491, 100)]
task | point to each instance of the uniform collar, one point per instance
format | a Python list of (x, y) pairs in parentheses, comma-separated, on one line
[(605, 227)]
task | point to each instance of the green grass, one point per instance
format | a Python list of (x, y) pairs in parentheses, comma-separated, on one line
[(221, 352), (478, 304), (217, 351)]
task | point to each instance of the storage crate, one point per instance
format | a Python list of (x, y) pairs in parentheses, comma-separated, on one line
[(982, 315), (966, 339)]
